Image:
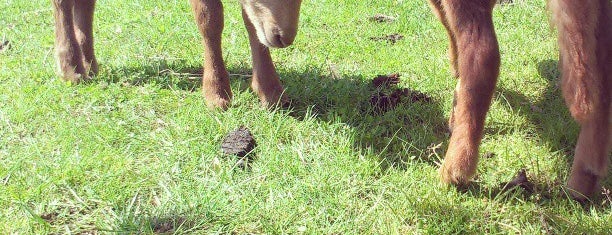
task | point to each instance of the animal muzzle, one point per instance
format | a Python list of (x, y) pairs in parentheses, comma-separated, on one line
[(281, 38)]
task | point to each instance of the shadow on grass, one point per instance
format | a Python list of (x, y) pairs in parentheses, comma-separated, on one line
[(539, 194), (549, 115), (169, 224), (412, 131), (176, 76), (409, 132), (554, 126)]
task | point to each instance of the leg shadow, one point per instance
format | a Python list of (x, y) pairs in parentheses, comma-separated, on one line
[(413, 130)]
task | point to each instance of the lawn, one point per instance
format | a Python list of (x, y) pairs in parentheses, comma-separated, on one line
[(137, 151)]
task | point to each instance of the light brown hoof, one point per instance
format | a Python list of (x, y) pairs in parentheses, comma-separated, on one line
[(71, 72), (270, 92), (218, 99), (74, 78), (450, 174), (217, 91), (217, 103), (277, 99), (459, 167)]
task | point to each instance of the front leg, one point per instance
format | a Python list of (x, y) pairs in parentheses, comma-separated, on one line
[(68, 52), (471, 24), (83, 19), (266, 82), (436, 7), (586, 75), (215, 80), (591, 155)]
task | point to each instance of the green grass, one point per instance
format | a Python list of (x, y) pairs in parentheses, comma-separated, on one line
[(136, 150)]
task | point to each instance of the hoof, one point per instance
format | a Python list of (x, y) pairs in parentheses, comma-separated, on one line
[(582, 185), (91, 68), (280, 101), (217, 91), (217, 101), (451, 175), (271, 96), (74, 78), (459, 167)]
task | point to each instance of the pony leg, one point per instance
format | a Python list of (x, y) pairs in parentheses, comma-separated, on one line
[(478, 67), (215, 80), (266, 82), (83, 19), (67, 50), (585, 59), (591, 156), (436, 6)]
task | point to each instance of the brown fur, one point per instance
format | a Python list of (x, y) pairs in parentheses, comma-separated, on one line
[(270, 23), (585, 36)]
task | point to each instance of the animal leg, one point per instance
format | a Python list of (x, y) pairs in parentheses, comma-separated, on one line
[(266, 82), (215, 80), (478, 67), (83, 19), (68, 52), (436, 6), (585, 64), (591, 156)]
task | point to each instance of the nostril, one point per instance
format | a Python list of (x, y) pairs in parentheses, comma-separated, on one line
[(279, 40)]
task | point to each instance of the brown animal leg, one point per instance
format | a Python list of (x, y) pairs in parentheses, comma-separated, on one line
[(471, 24), (586, 69), (215, 80), (266, 82), (436, 6), (83, 19), (591, 156), (66, 46)]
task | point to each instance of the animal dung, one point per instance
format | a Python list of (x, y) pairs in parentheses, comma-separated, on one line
[(488, 155), (519, 181), (238, 142), (382, 102), (380, 18), (5, 46), (386, 80), (392, 38), (416, 96)]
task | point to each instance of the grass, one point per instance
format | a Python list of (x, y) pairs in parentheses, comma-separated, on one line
[(136, 150)]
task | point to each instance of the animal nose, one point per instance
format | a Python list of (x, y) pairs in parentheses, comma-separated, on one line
[(281, 41), (283, 38)]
